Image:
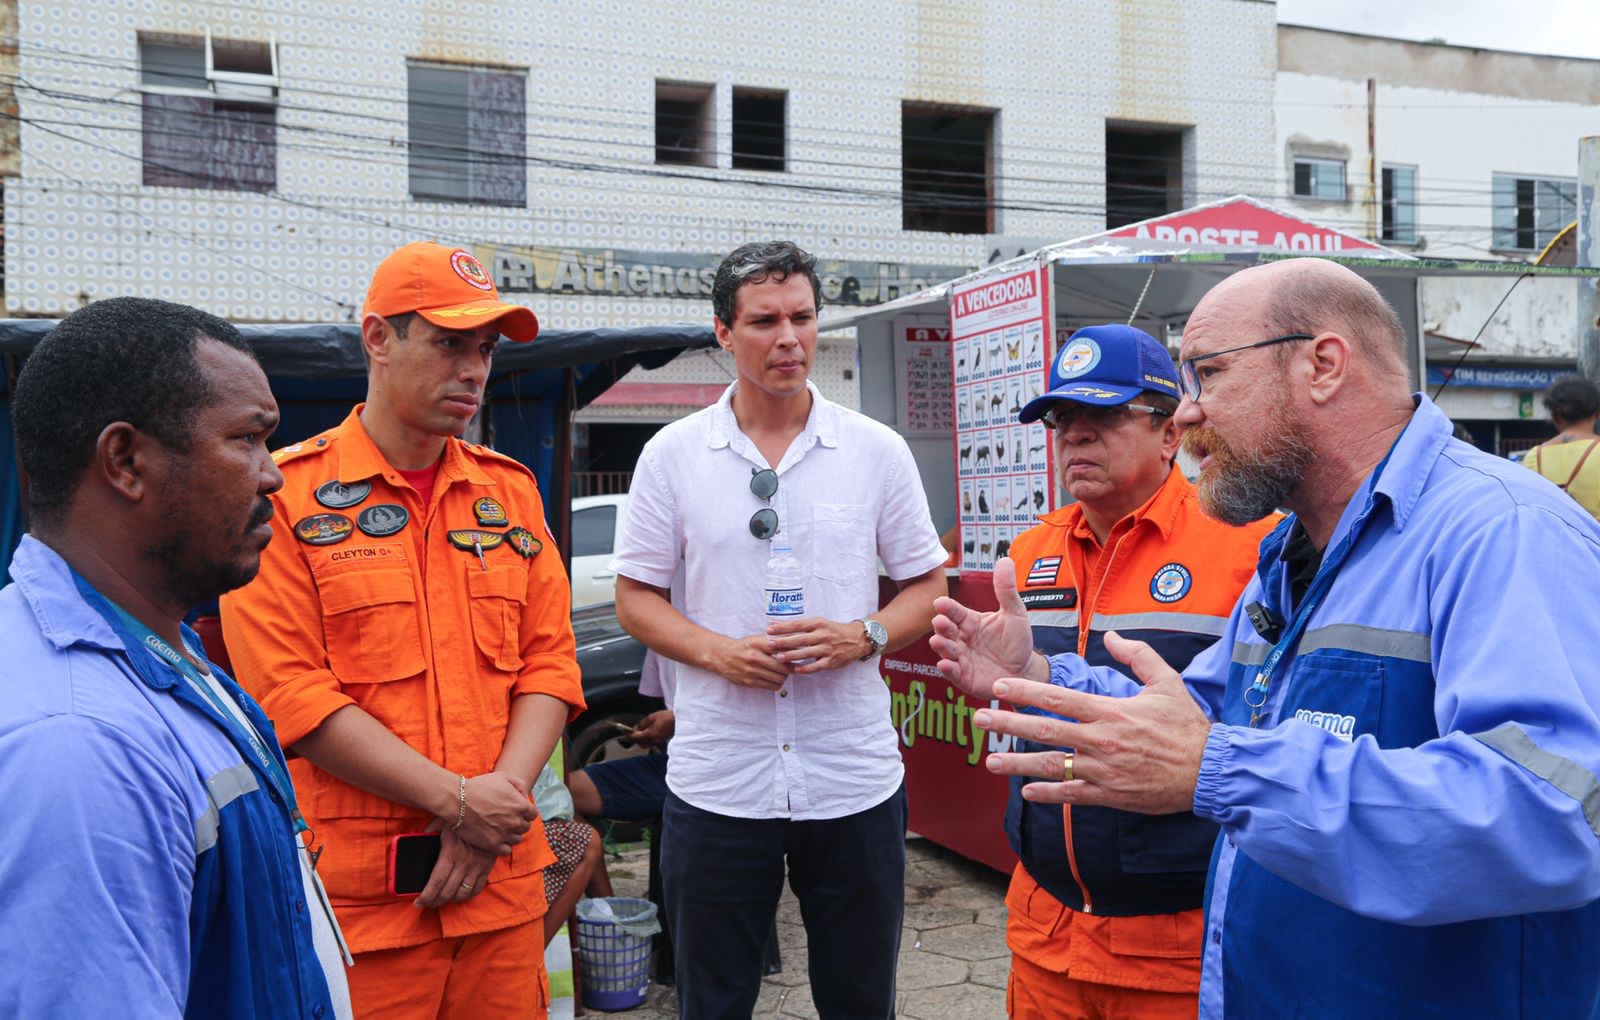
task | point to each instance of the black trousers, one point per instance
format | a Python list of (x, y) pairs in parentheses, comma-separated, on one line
[(722, 877)]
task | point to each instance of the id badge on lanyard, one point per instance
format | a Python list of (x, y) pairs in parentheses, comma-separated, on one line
[(243, 734), (308, 863), (1255, 696)]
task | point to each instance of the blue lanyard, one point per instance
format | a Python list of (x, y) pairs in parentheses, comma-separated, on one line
[(241, 732), (1255, 696)]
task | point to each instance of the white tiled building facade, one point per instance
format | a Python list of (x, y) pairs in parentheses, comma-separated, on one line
[(590, 226)]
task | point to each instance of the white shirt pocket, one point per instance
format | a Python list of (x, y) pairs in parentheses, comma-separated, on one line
[(843, 545)]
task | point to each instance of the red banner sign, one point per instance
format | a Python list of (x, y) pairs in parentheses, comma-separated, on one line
[(1244, 225)]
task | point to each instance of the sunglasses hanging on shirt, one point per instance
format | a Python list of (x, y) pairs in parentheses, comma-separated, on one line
[(764, 485)]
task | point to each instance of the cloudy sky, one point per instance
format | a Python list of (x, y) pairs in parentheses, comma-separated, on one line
[(1566, 27)]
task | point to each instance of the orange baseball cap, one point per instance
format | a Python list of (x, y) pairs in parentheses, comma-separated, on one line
[(446, 286)]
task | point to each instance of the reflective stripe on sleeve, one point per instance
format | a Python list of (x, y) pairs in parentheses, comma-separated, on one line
[(1053, 618), (1564, 774), (224, 788)]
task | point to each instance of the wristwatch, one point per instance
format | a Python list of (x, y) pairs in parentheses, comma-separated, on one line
[(877, 634)]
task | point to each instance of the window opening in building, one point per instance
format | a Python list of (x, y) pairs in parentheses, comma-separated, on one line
[(1144, 172), (209, 113), (1319, 178), (1400, 204), (758, 129), (604, 453), (947, 168), (468, 133), (683, 124), (1530, 211)]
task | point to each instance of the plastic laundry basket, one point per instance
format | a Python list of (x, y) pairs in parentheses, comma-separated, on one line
[(614, 950)]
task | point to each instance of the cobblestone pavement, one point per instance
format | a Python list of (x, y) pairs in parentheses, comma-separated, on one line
[(953, 958)]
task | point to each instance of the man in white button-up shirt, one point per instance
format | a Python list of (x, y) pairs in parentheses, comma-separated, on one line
[(784, 748)]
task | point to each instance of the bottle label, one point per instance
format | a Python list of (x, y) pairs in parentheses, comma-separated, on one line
[(786, 602)]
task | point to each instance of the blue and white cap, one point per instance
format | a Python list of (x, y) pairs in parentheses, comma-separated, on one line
[(1106, 366)]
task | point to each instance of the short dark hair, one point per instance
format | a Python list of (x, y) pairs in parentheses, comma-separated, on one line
[(122, 359), (401, 324), (757, 263), (1572, 398)]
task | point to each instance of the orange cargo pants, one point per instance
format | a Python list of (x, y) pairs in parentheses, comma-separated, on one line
[(498, 975), (1034, 993)]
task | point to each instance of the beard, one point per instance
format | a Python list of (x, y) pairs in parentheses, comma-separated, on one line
[(191, 581), (192, 577), (1239, 487)]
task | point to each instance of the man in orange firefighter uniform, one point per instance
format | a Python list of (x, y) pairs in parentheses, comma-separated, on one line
[(411, 640), (1104, 908)]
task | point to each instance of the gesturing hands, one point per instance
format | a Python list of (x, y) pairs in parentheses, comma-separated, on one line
[(974, 648), (1140, 753)]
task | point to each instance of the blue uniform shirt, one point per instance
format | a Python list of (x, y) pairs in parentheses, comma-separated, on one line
[(1414, 827), (148, 870)]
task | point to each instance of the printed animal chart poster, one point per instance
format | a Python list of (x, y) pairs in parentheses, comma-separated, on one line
[(999, 338)]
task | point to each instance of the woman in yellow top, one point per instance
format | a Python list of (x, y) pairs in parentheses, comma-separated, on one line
[(1570, 459)]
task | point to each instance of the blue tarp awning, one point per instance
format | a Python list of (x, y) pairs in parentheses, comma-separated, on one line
[(317, 374)]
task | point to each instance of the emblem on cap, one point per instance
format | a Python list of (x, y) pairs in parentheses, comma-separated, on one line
[(524, 543), (336, 495), (1170, 583), (470, 269), (383, 519), (1079, 356), (471, 539), (1088, 390), (490, 514), (323, 529)]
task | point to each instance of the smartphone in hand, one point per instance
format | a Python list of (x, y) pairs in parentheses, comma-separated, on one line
[(412, 856)]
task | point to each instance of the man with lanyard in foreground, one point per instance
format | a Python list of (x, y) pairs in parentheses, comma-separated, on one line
[(1393, 734), (155, 865)]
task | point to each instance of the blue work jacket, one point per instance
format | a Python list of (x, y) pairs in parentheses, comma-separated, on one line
[(149, 870), (1413, 826)]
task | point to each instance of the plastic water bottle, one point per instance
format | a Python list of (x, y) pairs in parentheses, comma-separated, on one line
[(785, 584), (786, 592)]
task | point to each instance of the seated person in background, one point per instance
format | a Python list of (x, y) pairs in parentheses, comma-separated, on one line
[(577, 845), (633, 789), (630, 789)]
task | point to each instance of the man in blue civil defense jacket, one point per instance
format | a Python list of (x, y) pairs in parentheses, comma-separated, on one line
[(1398, 733)]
